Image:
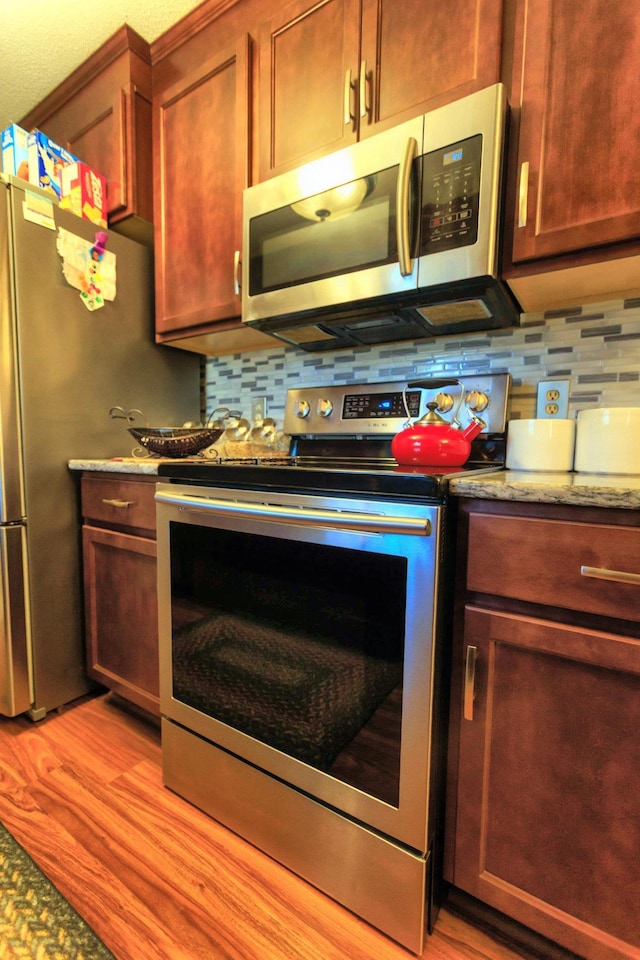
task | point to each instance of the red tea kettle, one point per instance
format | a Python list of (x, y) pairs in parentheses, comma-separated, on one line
[(432, 441)]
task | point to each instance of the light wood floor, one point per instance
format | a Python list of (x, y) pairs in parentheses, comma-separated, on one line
[(154, 877)]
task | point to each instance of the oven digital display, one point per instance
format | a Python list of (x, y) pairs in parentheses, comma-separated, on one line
[(371, 406)]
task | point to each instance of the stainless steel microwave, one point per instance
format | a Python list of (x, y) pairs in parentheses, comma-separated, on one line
[(393, 238)]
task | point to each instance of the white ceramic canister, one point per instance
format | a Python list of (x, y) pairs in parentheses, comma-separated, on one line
[(540, 445), (608, 440)]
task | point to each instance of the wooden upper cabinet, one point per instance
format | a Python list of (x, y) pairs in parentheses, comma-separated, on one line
[(309, 54), (578, 72), (417, 56), (331, 74), (102, 114), (201, 158)]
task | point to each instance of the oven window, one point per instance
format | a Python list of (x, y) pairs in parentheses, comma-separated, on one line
[(298, 645)]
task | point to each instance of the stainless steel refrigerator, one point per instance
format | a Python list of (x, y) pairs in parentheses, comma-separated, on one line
[(62, 367)]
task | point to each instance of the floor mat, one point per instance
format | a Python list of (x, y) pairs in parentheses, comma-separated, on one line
[(35, 919)]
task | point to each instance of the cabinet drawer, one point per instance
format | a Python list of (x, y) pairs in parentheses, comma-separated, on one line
[(578, 566), (116, 502)]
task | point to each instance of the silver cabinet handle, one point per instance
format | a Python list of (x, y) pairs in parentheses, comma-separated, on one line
[(469, 681), (405, 260), (616, 576), (236, 273), (119, 503), (523, 194), (302, 516), (349, 113), (365, 106)]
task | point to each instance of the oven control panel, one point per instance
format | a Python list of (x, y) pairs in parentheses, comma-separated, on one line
[(383, 409)]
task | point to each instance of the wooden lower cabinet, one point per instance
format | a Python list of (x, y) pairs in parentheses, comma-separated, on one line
[(545, 751), (120, 588)]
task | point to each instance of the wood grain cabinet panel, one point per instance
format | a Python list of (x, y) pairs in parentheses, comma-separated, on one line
[(201, 156), (418, 56), (556, 563), (579, 127), (102, 114), (119, 560), (544, 756), (308, 53), (332, 72), (548, 824)]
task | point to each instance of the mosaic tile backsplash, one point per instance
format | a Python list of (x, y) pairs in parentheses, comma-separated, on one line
[(596, 347)]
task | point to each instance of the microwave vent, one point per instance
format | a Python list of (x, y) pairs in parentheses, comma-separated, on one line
[(440, 313)]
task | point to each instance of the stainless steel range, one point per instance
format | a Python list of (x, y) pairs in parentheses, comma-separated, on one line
[(304, 639)]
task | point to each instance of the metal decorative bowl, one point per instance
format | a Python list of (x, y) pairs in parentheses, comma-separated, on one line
[(175, 441)]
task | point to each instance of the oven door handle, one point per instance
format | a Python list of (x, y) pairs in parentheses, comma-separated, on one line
[(304, 516)]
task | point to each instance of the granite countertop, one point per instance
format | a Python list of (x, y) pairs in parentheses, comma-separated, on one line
[(119, 465), (575, 489)]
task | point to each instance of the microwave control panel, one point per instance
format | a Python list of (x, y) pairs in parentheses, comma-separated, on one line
[(450, 196)]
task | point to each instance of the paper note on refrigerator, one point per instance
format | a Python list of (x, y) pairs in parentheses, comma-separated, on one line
[(94, 276)]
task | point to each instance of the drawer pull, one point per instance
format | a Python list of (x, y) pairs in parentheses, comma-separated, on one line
[(119, 503), (617, 576), (469, 681)]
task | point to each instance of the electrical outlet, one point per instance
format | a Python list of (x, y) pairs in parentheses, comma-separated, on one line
[(553, 399), (258, 409)]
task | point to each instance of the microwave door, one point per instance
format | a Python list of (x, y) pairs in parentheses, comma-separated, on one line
[(340, 230)]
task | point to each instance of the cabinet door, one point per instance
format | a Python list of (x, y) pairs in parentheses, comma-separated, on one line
[(201, 158), (109, 142), (102, 114), (121, 614), (579, 127), (309, 57), (417, 56), (548, 808)]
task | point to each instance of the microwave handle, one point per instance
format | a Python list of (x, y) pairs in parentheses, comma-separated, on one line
[(405, 259)]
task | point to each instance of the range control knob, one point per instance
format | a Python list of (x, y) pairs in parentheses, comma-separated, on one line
[(477, 401), (302, 409), (445, 402), (324, 408)]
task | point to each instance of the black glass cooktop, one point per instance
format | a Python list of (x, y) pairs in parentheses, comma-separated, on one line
[(321, 471)]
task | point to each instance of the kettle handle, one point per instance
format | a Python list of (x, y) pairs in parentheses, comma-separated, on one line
[(435, 383)]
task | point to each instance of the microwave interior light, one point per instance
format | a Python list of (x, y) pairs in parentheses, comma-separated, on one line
[(333, 204), (440, 313)]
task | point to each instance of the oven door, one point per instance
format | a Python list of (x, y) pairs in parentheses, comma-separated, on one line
[(298, 633)]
